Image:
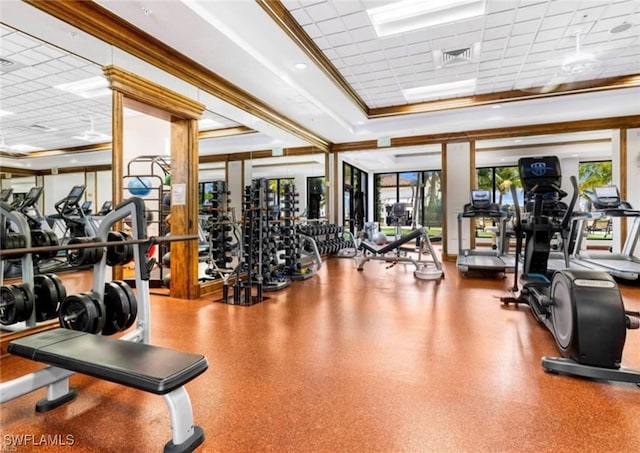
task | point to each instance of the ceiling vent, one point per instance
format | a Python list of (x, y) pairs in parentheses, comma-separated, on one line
[(464, 55), (459, 56)]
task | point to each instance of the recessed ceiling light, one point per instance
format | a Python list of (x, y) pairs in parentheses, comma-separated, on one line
[(410, 15), (624, 26), (87, 88), (300, 66), (518, 140), (442, 90), (494, 118), (496, 106)]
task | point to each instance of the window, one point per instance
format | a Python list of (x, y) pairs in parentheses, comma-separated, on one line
[(315, 197), (498, 180), (590, 176), (354, 193), (421, 189)]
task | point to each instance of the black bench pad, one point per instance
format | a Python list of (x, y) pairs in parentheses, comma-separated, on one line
[(392, 245), (142, 366)]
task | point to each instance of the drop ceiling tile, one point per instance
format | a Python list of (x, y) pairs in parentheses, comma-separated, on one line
[(396, 52), (418, 48), (369, 46), (50, 51), (331, 54), (559, 21), (313, 31), (516, 51), (322, 43), (530, 12), (354, 60), (498, 19), (524, 28), (320, 11), (331, 26), (494, 44), (345, 8), (556, 8), (374, 56), (521, 40), (500, 32), (301, 16), (347, 51), (392, 41), (339, 39), (356, 20), (549, 35), (22, 40), (363, 34)]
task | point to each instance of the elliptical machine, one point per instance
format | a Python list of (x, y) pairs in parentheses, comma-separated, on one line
[(583, 309)]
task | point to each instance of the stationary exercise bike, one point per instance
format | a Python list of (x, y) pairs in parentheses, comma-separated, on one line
[(583, 309)]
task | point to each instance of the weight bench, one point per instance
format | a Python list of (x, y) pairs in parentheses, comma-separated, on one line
[(422, 271), (392, 245), (142, 366)]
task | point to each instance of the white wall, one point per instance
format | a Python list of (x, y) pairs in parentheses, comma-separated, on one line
[(104, 190), (57, 187), (234, 175), (457, 190)]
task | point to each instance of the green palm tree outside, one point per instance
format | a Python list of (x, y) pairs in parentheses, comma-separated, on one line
[(505, 178)]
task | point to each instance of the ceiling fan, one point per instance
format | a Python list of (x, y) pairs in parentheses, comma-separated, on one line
[(577, 68), (92, 135)]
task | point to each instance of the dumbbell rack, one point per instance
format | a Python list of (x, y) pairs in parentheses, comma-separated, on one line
[(290, 238), (328, 237), (219, 231)]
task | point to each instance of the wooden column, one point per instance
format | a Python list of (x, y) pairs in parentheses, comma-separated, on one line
[(117, 153), (184, 216)]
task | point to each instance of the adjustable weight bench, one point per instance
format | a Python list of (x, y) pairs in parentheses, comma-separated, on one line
[(142, 366), (425, 269)]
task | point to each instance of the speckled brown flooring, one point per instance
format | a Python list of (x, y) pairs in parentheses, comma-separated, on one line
[(355, 362)]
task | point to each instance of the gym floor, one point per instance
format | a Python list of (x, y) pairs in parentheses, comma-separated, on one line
[(371, 361)]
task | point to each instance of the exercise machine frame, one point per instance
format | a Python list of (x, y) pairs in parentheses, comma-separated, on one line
[(590, 333)]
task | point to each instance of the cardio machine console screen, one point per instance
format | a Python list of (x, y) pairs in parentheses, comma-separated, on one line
[(75, 194), (607, 192), (480, 198), (539, 171), (33, 196)]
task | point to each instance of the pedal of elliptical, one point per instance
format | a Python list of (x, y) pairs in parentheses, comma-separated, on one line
[(535, 281)]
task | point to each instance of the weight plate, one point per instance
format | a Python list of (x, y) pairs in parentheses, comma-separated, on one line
[(117, 307), (28, 300), (85, 256), (102, 312), (10, 304), (133, 303), (78, 312), (62, 291), (46, 297)]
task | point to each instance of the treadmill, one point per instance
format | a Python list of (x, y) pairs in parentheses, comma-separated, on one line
[(624, 265), (495, 261)]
